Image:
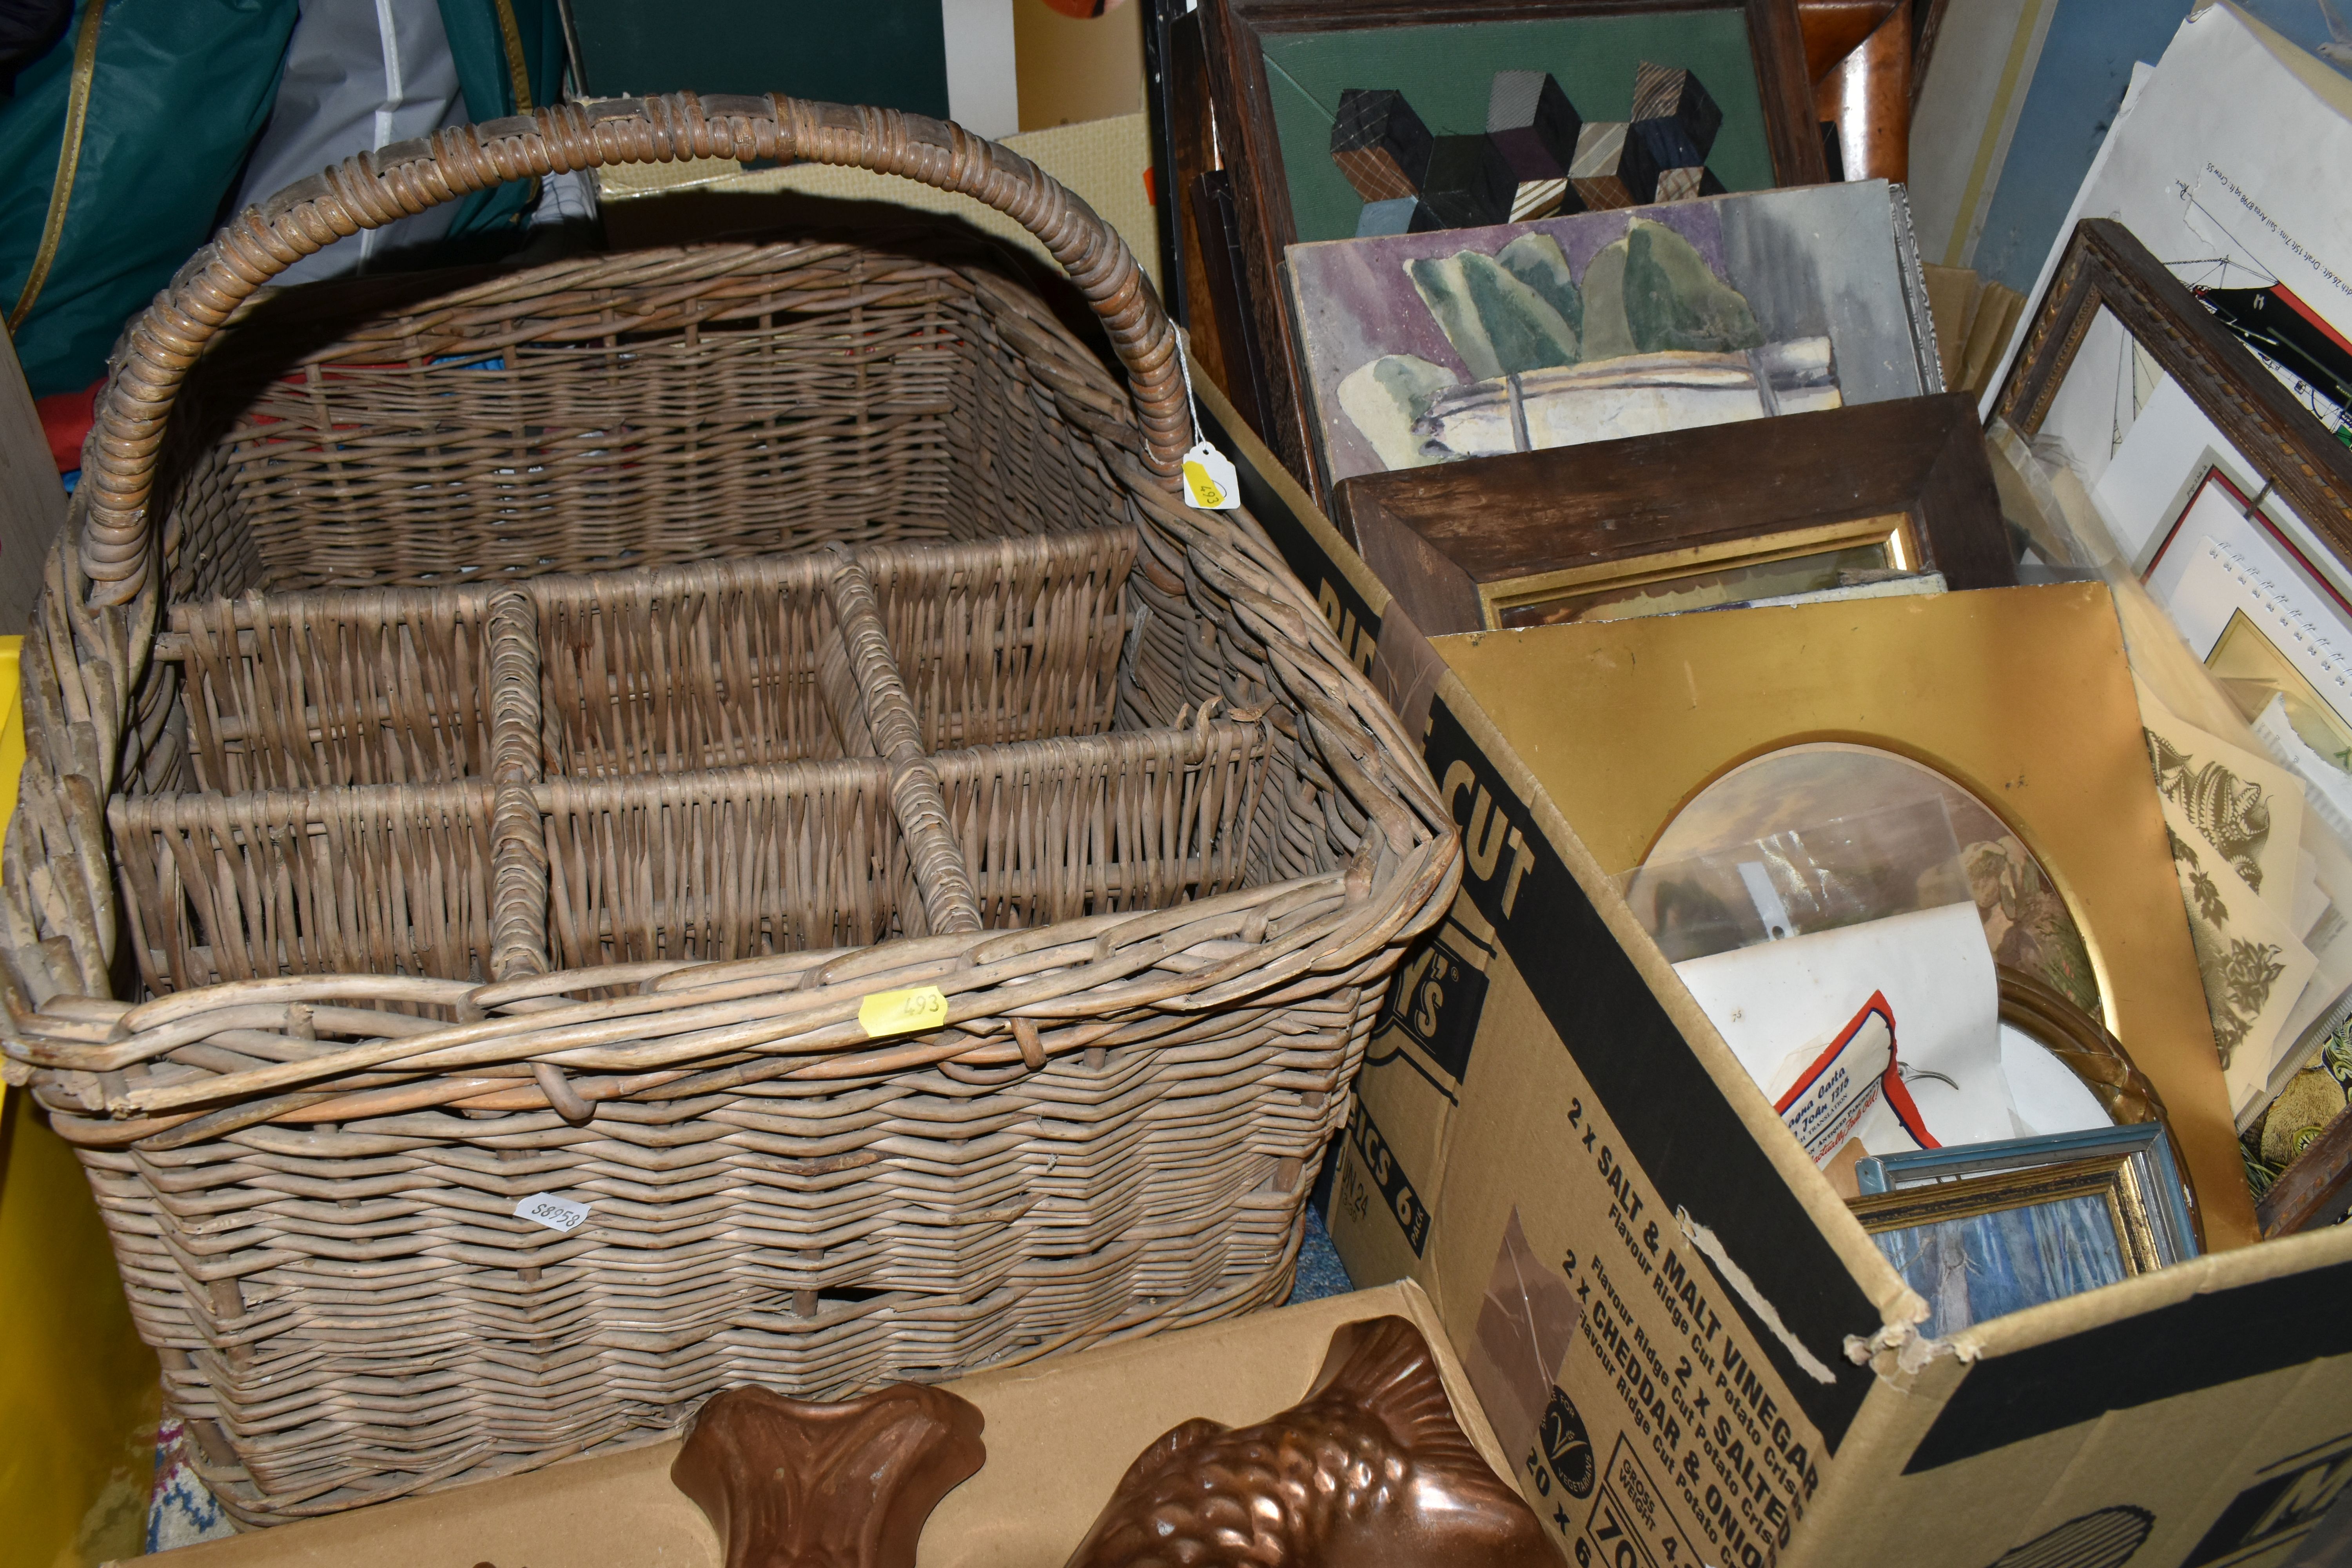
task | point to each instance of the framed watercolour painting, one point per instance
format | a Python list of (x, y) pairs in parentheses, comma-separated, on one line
[(1282, 71), (1428, 348), (2170, 1218)]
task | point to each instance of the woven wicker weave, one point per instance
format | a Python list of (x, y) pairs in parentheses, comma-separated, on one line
[(552, 731)]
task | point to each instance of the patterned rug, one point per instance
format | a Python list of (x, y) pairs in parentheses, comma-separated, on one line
[(183, 1511)]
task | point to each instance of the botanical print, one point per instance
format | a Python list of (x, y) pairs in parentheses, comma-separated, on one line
[(1972, 1270), (2241, 802), (2253, 967), (2026, 924), (2240, 976), (2229, 814), (1428, 348)]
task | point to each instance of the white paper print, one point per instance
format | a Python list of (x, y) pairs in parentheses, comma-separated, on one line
[(1822, 1095), (2227, 164), (2228, 567), (1783, 999)]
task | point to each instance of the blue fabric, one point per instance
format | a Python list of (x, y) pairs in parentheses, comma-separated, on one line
[(479, 50)]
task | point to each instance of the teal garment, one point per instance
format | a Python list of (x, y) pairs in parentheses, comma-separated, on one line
[(477, 43), (180, 91)]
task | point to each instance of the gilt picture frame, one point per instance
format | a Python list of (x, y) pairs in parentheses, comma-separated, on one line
[(2172, 1216), (2001, 1243), (1654, 711)]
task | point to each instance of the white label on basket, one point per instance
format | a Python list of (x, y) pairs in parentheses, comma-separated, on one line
[(1209, 480), (560, 1215)]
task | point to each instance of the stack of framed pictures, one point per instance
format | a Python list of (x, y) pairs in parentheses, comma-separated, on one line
[(2220, 507), (1690, 436), (1278, 70)]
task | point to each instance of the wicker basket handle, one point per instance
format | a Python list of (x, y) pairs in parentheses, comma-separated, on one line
[(370, 190)]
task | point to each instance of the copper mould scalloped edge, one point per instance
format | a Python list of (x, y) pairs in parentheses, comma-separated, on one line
[(1369, 1470), (789, 1484)]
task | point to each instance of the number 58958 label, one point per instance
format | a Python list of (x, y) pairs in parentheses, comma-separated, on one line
[(562, 1215)]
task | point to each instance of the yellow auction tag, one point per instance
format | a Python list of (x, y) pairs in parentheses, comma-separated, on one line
[(1209, 481), (902, 1012)]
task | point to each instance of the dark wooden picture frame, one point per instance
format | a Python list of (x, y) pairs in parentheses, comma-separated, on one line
[(2104, 265), (1233, 34), (1456, 543)]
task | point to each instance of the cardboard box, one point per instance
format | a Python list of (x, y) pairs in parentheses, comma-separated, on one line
[(1689, 1342), (1103, 161), (1060, 1434)]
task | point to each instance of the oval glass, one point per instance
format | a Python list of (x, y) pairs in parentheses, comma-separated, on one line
[(2026, 924)]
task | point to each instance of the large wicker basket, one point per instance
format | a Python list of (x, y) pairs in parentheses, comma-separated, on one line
[(748, 739)]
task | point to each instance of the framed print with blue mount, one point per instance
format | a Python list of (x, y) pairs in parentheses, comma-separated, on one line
[(2173, 1226), (1447, 111), (1999, 1243)]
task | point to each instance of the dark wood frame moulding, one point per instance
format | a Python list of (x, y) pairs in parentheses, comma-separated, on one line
[(1927, 26), (2106, 264), (1236, 59), (1450, 538), (2315, 1189)]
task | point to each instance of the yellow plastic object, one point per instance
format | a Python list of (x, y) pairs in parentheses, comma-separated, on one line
[(79, 1393)]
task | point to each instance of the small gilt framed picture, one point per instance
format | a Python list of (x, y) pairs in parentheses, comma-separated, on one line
[(1982, 1245)]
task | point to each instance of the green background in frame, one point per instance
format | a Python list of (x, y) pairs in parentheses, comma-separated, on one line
[(1446, 71), (891, 53)]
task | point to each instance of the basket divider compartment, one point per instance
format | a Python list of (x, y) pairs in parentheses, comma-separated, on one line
[(940, 875), (729, 864), (1061, 829), (1007, 639), (519, 857), (378, 687), (677, 668), (379, 878)]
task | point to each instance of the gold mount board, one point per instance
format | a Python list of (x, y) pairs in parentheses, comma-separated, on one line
[(2020, 696)]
